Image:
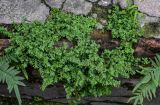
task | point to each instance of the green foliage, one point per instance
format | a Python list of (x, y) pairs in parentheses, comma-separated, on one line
[(62, 51), (146, 88), (124, 23), (124, 26), (9, 75), (37, 99), (121, 61)]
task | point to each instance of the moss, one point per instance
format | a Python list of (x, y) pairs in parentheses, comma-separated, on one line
[(101, 12), (151, 30)]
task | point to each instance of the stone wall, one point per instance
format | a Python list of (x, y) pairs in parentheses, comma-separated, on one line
[(56, 93), (31, 10), (15, 10)]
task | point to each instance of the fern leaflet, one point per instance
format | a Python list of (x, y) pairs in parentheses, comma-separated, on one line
[(146, 88), (9, 75)]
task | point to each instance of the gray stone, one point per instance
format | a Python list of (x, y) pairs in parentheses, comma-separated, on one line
[(102, 103), (107, 98), (99, 26), (18, 10), (125, 3), (144, 19), (61, 100), (77, 6), (150, 7), (104, 2), (94, 15), (54, 3), (103, 21), (115, 1), (40, 14), (150, 19), (92, 0)]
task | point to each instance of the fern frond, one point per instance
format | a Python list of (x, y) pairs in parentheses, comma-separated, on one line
[(9, 75), (7, 58), (146, 88)]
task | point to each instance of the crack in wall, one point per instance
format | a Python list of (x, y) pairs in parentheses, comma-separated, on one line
[(44, 2), (63, 4)]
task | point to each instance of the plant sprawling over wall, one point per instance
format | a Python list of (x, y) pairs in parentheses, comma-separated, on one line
[(124, 23), (61, 50), (124, 26)]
